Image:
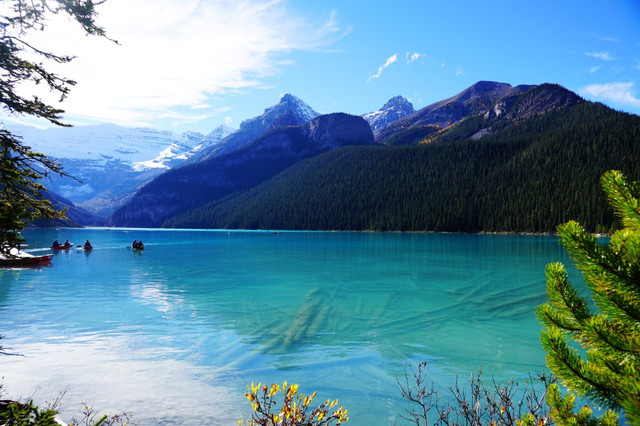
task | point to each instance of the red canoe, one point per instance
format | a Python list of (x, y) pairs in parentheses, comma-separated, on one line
[(25, 259), (39, 259), (62, 247)]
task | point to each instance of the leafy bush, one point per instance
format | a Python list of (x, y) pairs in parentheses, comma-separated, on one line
[(295, 407)]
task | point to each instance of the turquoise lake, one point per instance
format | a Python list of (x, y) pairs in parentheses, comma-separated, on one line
[(176, 333)]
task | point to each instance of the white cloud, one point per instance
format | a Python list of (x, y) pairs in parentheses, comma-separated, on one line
[(176, 54), (458, 70), (593, 70), (411, 57), (393, 58), (618, 93), (605, 56)]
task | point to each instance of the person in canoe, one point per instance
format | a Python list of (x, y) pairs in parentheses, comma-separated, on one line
[(87, 245), (55, 244), (138, 246), (20, 239), (67, 243)]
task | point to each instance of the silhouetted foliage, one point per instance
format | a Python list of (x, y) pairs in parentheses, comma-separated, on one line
[(21, 169), (478, 404)]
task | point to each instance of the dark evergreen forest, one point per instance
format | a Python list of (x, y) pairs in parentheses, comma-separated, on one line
[(527, 177)]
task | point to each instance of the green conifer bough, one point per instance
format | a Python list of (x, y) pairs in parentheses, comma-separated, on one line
[(606, 371)]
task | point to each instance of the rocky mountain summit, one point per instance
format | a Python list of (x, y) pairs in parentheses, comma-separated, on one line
[(488, 99), (395, 108), (536, 101), (290, 111)]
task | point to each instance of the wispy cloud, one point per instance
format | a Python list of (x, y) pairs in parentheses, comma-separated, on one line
[(175, 54), (620, 93), (392, 59), (605, 56), (409, 58), (605, 38), (412, 57), (595, 69)]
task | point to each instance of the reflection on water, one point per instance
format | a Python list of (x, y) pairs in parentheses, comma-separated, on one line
[(205, 313), (140, 382)]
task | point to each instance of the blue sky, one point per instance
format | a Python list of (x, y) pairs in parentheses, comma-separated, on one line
[(193, 65)]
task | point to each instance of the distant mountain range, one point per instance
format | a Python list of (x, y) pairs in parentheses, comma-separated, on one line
[(448, 166), (111, 162), (491, 159)]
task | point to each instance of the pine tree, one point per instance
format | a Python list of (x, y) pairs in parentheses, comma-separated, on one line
[(21, 169), (607, 370)]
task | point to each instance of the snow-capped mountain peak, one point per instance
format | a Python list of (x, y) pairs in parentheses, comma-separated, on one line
[(394, 109), (290, 111), (288, 104), (219, 133), (296, 105)]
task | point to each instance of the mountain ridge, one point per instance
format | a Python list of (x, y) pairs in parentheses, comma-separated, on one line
[(529, 177), (239, 170), (476, 99)]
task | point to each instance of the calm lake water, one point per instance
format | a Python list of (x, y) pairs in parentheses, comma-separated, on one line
[(176, 333)]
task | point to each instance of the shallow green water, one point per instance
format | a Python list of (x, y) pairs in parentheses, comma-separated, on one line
[(175, 333)]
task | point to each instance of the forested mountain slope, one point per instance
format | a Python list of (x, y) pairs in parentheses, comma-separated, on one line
[(183, 189), (483, 174), (75, 216)]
